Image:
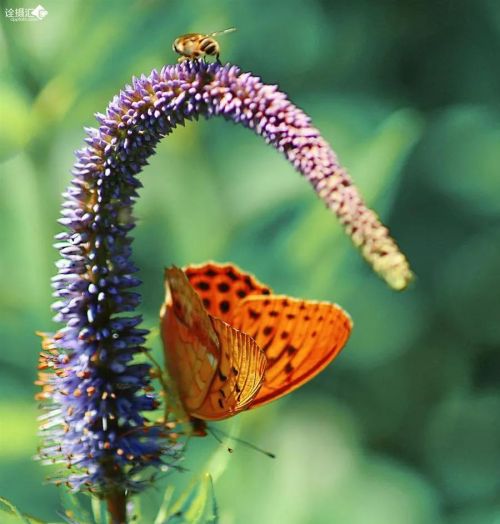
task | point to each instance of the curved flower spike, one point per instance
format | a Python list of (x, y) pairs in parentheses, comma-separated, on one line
[(95, 395)]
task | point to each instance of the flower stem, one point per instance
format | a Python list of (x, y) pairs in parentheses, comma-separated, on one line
[(117, 507)]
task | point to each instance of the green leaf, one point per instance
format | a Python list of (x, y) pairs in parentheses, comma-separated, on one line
[(197, 505), (164, 506), (99, 511), (73, 508), (11, 515)]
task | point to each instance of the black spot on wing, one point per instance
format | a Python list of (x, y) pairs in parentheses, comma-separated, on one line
[(248, 282), (253, 314), (231, 274)]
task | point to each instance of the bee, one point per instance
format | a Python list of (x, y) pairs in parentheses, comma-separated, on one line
[(197, 45)]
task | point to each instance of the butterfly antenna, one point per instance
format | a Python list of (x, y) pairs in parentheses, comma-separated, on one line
[(241, 441), (217, 33), (217, 438)]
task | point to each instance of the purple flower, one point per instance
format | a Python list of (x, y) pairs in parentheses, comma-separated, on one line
[(95, 394)]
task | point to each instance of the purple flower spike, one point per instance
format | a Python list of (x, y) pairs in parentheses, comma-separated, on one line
[(95, 395)]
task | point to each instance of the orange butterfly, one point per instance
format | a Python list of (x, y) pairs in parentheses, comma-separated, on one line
[(231, 345)]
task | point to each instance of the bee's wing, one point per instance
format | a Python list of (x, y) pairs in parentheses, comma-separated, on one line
[(230, 30)]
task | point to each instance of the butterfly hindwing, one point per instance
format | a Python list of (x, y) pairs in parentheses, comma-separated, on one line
[(190, 342), (222, 287), (238, 377), (298, 337)]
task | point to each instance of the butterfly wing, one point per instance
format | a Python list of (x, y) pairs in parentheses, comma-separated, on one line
[(217, 369), (273, 344), (190, 343), (222, 287), (239, 375), (299, 339)]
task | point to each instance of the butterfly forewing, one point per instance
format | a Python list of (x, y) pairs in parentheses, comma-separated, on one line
[(239, 375), (299, 338), (222, 287)]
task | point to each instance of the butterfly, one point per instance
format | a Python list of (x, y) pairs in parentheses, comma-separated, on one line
[(231, 345)]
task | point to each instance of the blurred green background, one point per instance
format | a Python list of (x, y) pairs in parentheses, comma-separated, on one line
[(404, 427)]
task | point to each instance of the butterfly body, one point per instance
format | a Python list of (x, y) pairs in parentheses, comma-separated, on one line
[(231, 345)]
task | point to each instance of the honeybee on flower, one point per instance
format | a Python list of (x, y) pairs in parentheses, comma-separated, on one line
[(197, 45)]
